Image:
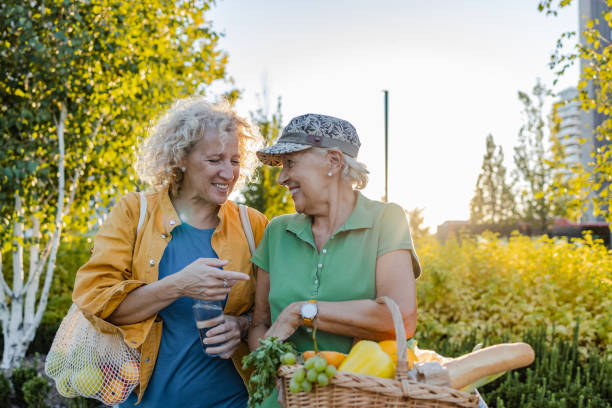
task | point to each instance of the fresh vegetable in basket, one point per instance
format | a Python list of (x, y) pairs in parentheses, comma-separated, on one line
[(367, 357), (390, 347), (265, 361)]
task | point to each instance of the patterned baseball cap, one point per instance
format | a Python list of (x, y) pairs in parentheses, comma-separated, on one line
[(306, 131)]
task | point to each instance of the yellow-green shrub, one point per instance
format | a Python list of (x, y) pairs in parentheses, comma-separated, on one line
[(508, 285)]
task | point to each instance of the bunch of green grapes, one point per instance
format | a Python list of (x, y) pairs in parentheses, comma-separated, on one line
[(315, 371)]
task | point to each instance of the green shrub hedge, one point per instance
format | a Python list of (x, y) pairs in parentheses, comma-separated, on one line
[(560, 376), (35, 392), (19, 377)]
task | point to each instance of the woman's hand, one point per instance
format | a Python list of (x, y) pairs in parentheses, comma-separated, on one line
[(287, 322), (202, 279), (224, 335)]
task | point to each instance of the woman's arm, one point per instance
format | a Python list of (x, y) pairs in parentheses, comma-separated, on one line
[(261, 314), (199, 280), (371, 320), (362, 318)]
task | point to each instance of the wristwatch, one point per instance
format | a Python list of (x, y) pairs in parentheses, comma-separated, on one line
[(309, 311)]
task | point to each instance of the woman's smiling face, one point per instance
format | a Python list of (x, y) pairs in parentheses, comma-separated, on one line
[(304, 173), (212, 168)]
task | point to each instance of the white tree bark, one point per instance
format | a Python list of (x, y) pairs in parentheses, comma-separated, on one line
[(20, 318), (33, 277)]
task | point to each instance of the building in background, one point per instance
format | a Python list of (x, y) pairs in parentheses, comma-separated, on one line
[(589, 10), (576, 137)]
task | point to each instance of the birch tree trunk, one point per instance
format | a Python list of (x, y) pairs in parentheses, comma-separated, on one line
[(21, 316)]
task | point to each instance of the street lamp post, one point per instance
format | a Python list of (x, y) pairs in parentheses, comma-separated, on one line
[(386, 198)]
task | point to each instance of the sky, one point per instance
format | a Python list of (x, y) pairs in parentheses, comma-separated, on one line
[(452, 69)]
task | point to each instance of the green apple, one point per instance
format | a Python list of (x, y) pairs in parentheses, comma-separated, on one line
[(64, 387), (82, 356), (88, 381), (56, 361)]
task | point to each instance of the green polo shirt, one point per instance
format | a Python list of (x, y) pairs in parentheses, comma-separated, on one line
[(343, 270)]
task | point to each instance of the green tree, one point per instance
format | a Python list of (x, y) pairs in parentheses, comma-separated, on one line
[(538, 160), (493, 201), (595, 52), (265, 194), (416, 220), (80, 82)]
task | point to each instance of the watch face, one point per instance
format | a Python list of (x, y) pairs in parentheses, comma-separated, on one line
[(309, 310)]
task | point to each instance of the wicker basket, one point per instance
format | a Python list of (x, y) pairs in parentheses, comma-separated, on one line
[(364, 391)]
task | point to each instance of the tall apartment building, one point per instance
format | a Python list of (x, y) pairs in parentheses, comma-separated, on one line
[(589, 10), (572, 130)]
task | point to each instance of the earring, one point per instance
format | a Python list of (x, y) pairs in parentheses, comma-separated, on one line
[(330, 173), (183, 169)]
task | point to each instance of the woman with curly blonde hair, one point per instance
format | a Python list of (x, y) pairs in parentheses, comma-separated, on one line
[(151, 263)]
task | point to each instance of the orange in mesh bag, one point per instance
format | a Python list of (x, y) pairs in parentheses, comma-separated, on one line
[(83, 361)]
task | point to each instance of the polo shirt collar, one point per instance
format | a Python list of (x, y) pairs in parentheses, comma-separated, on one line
[(361, 217), (301, 225)]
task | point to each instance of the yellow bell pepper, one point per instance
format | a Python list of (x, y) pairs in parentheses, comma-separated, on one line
[(367, 357)]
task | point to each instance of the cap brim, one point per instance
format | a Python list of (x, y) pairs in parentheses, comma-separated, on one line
[(271, 155)]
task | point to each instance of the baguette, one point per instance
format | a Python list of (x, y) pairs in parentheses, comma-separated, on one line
[(471, 367)]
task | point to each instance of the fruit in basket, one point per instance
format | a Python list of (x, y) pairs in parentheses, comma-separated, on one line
[(390, 347), (330, 371), (332, 357), (299, 374), (295, 386), (288, 358), (322, 379), (316, 371), (320, 364), (367, 357), (309, 364)]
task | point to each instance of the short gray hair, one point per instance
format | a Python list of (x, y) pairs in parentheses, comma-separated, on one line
[(354, 172)]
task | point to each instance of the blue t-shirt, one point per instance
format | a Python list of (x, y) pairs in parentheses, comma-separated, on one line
[(184, 375)]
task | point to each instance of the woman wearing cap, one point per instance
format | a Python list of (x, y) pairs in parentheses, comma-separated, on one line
[(326, 265), (191, 245)]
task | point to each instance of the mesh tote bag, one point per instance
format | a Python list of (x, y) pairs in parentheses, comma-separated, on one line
[(85, 362)]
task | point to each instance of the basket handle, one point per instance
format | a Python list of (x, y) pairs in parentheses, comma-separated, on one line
[(401, 372)]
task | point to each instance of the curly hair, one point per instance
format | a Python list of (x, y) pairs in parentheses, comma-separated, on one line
[(181, 128)]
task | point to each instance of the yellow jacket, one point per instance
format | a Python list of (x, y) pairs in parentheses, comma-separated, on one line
[(121, 262)]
